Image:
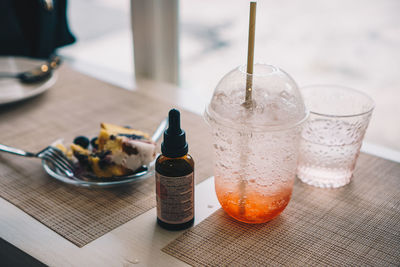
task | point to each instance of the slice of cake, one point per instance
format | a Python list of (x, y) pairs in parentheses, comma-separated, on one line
[(120, 151)]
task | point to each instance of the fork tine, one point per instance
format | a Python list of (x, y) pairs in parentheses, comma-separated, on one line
[(61, 156), (50, 156), (66, 167), (55, 157), (53, 161)]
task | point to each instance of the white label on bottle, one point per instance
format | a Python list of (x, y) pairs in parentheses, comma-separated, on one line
[(175, 198)]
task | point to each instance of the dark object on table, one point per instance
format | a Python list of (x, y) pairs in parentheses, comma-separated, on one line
[(175, 178), (39, 74), (13, 256), (33, 28)]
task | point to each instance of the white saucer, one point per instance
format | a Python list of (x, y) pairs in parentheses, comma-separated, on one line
[(11, 90)]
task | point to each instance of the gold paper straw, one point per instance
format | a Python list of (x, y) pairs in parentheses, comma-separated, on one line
[(248, 103)]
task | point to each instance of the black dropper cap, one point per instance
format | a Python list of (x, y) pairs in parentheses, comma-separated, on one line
[(174, 145)]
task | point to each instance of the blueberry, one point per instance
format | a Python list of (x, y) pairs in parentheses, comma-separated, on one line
[(82, 141), (93, 142)]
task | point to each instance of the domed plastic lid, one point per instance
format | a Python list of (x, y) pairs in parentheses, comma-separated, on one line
[(276, 100)]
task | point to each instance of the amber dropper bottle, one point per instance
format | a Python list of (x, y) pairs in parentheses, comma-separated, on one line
[(175, 178)]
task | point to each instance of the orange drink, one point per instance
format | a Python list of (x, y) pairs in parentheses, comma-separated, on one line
[(255, 206)]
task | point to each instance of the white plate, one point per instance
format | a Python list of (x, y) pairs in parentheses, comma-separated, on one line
[(11, 90)]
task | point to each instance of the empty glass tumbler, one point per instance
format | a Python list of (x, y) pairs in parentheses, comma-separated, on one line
[(332, 137), (256, 145)]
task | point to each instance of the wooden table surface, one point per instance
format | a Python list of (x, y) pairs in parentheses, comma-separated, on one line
[(135, 243)]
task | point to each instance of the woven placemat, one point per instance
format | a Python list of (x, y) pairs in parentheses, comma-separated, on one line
[(75, 106), (357, 225)]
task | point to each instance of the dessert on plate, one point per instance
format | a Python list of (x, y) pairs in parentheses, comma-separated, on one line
[(117, 151)]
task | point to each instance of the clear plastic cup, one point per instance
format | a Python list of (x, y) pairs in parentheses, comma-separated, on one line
[(256, 147), (332, 137)]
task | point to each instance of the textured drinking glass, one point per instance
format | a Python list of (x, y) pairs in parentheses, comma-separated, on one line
[(332, 136), (255, 148)]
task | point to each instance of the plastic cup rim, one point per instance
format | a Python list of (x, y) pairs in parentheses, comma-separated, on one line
[(263, 128), (342, 87)]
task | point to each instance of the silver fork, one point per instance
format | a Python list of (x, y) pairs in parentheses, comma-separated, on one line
[(51, 154)]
